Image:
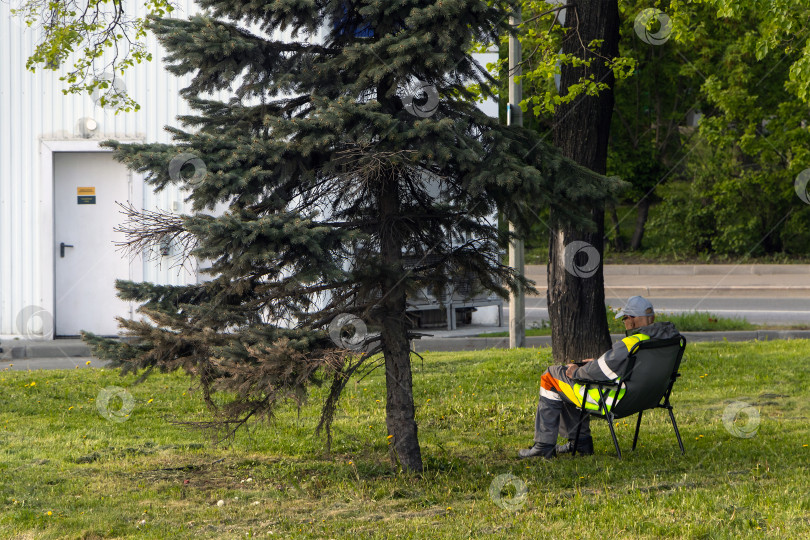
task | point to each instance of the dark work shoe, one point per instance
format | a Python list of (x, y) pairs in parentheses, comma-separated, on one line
[(547, 451), (585, 447)]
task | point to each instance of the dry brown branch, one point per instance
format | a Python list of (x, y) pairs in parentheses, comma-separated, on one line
[(361, 161), (151, 232)]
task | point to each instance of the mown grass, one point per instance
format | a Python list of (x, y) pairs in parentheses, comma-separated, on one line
[(69, 473)]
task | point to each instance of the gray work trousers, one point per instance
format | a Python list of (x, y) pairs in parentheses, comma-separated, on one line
[(558, 416)]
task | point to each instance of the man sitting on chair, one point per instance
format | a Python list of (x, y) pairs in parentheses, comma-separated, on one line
[(560, 396)]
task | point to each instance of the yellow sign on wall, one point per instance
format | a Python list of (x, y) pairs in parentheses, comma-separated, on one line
[(86, 191)]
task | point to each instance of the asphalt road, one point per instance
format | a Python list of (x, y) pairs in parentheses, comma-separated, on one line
[(780, 311)]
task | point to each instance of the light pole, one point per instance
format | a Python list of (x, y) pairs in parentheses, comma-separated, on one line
[(514, 116)]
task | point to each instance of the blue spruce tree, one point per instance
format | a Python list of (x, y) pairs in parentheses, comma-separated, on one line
[(347, 189)]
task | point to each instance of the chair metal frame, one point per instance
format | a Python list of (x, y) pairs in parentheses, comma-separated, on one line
[(604, 389)]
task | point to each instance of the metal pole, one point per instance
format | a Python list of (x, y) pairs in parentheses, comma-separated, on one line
[(514, 116)]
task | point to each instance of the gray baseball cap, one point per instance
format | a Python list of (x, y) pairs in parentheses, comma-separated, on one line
[(636, 306)]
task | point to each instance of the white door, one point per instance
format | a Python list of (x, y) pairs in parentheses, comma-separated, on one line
[(86, 187)]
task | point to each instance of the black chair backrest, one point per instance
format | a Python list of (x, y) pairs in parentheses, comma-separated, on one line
[(652, 365)]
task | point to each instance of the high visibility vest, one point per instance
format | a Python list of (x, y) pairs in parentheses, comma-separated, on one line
[(593, 394)]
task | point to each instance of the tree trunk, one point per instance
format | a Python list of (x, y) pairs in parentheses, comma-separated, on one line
[(641, 221), (576, 297), (400, 417), (618, 242), (399, 408)]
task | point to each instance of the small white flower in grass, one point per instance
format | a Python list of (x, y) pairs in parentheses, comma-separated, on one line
[(220, 503)]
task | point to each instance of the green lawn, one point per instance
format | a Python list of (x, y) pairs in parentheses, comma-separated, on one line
[(67, 472)]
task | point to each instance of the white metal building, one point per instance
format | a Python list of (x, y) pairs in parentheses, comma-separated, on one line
[(58, 191), (57, 258)]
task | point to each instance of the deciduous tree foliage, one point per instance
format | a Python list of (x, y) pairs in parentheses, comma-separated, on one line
[(345, 192), (727, 187), (651, 111), (754, 136), (99, 39)]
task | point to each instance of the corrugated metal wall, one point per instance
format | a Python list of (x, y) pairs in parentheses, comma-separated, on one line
[(32, 109)]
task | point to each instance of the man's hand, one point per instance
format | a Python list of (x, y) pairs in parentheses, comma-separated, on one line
[(572, 368)]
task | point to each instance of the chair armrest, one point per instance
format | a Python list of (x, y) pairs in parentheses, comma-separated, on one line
[(593, 383)]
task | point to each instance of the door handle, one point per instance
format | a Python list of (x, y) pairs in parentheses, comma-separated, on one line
[(62, 247)]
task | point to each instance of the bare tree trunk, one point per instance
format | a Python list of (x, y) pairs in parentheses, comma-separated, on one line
[(576, 296), (618, 242), (641, 221)]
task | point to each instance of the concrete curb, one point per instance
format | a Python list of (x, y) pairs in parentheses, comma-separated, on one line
[(689, 269), (77, 349), (706, 269), (45, 349), (768, 291)]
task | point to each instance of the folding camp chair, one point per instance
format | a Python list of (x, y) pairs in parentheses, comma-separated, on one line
[(649, 374)]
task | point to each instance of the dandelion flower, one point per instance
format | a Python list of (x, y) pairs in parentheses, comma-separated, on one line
[(87, 363), (151, 400)]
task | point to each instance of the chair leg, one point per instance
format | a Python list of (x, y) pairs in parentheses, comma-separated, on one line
[(677, 433), (638, 425), (579, 428), (613, 434)]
